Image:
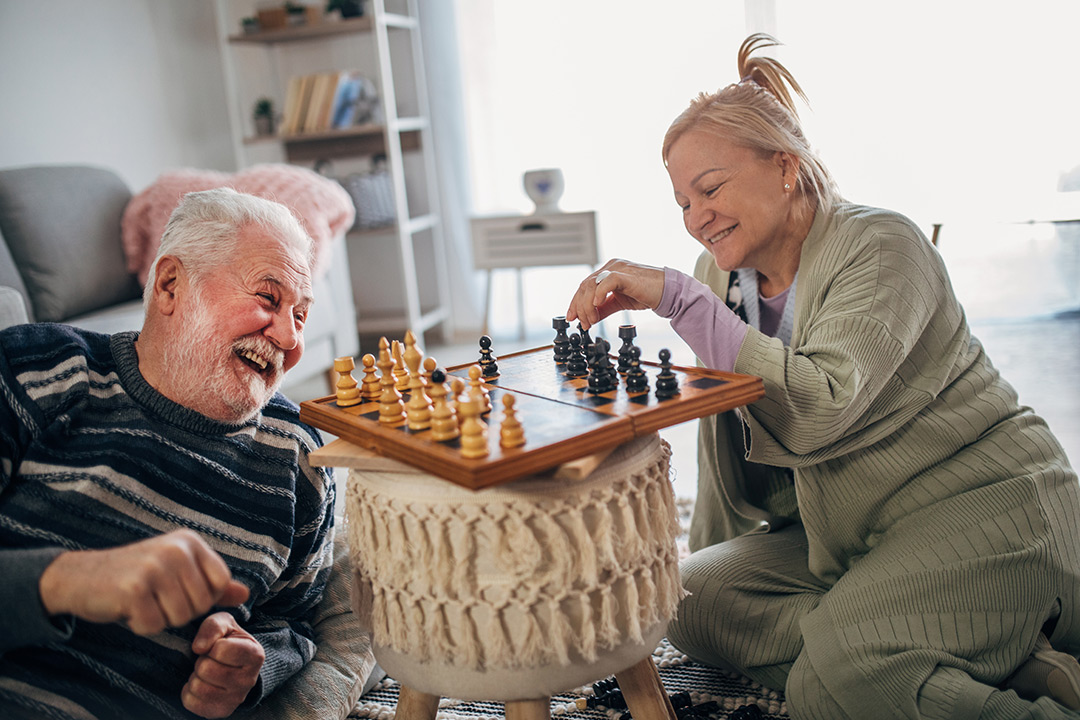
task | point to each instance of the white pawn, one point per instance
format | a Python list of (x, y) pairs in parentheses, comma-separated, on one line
[(444, 422), (391, 408), (474, 434), (401, 374), (347, 394), (511, 433), (419, 406), (369, 386), (477, 389)]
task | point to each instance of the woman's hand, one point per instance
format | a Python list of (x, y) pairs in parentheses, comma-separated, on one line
[(618, 285)]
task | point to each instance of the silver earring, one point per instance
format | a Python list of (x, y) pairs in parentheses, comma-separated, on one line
[(786, 186)]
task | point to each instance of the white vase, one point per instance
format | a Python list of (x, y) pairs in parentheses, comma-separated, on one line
[(544, 187)]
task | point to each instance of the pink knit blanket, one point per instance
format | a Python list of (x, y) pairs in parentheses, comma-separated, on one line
[(322, 205)]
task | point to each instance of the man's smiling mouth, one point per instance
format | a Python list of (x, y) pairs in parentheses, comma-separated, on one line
[(257, 362)]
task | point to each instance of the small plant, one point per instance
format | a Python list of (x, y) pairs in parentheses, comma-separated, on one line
[(264, 116), (348, 8), (264, 107)]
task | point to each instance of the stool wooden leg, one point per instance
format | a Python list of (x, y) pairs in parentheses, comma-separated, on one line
[(539, 709), (416, 705), (644, 692)]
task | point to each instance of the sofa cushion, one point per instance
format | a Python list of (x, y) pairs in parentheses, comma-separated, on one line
[(62, 225), (10, 277)]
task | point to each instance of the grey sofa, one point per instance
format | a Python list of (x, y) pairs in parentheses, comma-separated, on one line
[(60, 249)]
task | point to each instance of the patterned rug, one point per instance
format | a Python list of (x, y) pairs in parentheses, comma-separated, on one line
[(719, 695), (713, 693)]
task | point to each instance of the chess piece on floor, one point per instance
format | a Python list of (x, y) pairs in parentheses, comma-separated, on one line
[(627, 333), (511, 433), (667, 384), (487, 360), (369, 386), (401, 374), (444, 422), (391, 407), (576, 364), (562, 342), (474, 434), (477, 389), (347, 394), (637, 381)]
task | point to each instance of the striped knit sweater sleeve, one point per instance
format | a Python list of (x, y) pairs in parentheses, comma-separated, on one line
[(91, 456)]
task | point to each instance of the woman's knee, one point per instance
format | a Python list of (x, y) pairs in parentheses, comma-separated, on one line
[(743, 608), (807, 698)]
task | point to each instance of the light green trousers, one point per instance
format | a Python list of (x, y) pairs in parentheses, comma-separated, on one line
[(928, 624)]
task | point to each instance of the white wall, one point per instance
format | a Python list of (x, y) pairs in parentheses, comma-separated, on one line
[(133, 85)]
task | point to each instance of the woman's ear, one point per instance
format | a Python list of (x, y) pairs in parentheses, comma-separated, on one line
[(788, 165)]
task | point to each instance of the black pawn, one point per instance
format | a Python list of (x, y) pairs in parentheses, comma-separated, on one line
[(586, 341), (667, 384), (576, 365), (561, 343), (488, 366), (627, 333), (602, 375), (636, 379)]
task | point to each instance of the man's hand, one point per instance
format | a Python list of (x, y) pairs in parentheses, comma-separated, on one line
[(165, 581), (227, 667)]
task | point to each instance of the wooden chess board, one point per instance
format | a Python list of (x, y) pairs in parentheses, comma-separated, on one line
[(562, 420)]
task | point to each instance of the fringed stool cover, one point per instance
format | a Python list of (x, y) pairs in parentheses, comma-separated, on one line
[(521, 590)]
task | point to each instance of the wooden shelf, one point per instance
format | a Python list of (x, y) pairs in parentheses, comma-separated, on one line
[(351, 142), (305, 32)]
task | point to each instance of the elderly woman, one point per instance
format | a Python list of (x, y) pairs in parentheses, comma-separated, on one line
[(887, 533)]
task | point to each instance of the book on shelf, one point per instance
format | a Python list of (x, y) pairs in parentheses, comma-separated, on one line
[(326, 101)]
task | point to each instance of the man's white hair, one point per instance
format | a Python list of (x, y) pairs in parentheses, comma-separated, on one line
[(204, 231)]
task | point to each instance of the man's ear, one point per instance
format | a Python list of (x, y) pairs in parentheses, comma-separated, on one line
[(168, 279)]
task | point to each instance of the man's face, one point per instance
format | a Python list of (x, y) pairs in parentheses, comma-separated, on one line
[(241, 329)]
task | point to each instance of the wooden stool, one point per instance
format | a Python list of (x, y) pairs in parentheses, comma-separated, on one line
[(521, 591)]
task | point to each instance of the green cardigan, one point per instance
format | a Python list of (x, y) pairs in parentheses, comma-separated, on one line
[(884, 405)]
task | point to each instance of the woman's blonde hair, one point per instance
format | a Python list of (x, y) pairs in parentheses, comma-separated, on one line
[(758, 112)]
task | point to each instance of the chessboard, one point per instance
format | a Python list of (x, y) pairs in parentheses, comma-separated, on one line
[(557, 418)]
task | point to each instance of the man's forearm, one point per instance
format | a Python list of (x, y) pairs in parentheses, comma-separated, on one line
[(25, 620)]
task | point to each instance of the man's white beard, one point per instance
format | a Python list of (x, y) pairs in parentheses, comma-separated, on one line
[(201, 368)]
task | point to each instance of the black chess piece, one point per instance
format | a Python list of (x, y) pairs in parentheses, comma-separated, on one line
[(667, 384), (602, 375), (576, 364), (488, 366), (627, 333), (636, 379), (586, 341), (562, 342)]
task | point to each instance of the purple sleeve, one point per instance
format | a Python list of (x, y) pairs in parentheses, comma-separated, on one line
[(702, 320)]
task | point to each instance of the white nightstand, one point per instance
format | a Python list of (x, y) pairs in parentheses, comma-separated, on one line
[(522, 241)]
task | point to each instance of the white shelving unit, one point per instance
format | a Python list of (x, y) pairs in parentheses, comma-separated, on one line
[(396, 288)]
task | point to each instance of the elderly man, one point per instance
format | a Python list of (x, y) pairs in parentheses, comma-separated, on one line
[(163, 537)]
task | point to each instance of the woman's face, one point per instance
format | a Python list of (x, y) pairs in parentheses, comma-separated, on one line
[(733, 199)]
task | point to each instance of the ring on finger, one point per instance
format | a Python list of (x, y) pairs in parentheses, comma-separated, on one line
[(602, 276)]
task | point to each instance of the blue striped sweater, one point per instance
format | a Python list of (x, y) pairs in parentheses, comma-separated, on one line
[(91, 456)]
